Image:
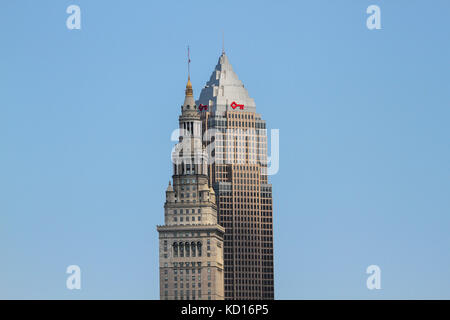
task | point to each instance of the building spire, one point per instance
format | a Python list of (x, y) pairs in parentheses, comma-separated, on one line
[(189, 92)]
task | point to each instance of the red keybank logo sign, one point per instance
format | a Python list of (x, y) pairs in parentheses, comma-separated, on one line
[(234, 105)]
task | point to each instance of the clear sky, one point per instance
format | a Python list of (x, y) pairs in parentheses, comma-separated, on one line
[(86, 117)]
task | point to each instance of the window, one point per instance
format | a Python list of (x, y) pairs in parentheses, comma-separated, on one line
[(193, 249), (187, 248), (199, 248)]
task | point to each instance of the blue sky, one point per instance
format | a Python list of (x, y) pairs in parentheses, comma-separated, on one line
[(86, 117)]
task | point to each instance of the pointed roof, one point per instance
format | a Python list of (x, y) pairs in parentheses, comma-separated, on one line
[(189, 91), (189, 96), (224, 88)]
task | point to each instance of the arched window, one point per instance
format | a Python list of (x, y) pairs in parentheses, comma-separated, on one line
[(175, 250), (181, 249), (187, 248), (193, 249), (199, 248)]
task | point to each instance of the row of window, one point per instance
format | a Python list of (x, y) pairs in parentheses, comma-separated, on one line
[(188, 188), (220, 135), (185, 211), (187, 195), (182, 285), (185, 180), (187, 264), (175, 219), (243, 270), (186, 249), (240, 115), (241, 218), (188, 234), (186, 294), (258, 125)]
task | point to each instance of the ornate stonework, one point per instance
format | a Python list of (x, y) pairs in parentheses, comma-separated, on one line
[(191, 240)]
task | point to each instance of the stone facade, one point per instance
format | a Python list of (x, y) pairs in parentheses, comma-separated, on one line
[(191, 240)]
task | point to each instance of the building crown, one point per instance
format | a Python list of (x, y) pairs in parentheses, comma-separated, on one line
[(224, 87)]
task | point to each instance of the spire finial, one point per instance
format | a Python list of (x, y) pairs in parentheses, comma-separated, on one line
[(189, 91)]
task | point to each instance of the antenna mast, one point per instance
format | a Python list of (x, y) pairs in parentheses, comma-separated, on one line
[(189, 63), (223, 43)]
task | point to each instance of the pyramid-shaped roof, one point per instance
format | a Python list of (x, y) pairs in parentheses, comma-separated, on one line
[(224, 88)]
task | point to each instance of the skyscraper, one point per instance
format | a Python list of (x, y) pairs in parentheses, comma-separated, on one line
[(236, 140), (191, 240)]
